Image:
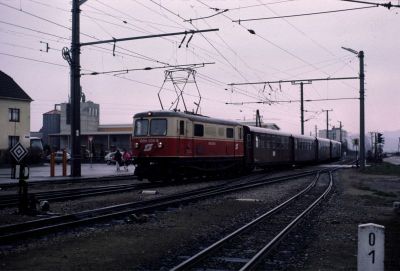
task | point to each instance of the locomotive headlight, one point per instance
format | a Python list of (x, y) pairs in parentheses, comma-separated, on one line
[(160, 145), (137, 145)]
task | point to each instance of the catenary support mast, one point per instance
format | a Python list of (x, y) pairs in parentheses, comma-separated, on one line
[(75, 92)]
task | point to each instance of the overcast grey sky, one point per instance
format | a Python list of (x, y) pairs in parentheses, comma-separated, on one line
[(281, 49)]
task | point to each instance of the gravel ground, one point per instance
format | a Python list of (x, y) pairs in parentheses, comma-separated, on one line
[(327, 240)]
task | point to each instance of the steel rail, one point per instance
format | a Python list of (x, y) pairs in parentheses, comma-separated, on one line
[(252, 263), (209, 250), (11, 200), (73, 180), (41, 226)]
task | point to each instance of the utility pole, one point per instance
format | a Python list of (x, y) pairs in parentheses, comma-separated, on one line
[(362, 116), (327, 121), (301, 103), (316, 131), (376, 147), (398, 147), (372, 141), (302, 108), (360, 55), (258, 118), (340, 131)]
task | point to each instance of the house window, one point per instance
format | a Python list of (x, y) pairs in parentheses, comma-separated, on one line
[(12, 140), (13, 114)]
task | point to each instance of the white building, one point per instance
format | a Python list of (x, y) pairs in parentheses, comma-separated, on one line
[(15, 106), (334, 134)]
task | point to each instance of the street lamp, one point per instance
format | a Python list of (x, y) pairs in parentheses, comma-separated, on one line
[(360, 55)]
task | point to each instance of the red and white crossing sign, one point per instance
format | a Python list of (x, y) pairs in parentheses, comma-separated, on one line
[(18, 151)]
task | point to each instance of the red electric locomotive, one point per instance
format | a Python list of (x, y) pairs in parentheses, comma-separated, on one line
[(169, 145)]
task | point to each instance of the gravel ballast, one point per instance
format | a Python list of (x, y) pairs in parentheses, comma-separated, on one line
[(165, 238)]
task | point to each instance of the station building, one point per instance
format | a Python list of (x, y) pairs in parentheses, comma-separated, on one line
[(95, 138)]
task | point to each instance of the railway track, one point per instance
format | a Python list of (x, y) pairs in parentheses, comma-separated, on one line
[(14, 232), (249, 246), (11, 200)]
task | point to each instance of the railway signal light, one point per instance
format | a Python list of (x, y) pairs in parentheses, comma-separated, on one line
[(380, 139)]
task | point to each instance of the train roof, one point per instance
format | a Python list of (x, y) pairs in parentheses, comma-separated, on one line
[(267, 131), (328, 140), (190, 116), (305, 137)]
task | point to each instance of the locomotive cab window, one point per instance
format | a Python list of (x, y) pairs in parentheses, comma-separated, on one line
[(229, 132), (158, 127), (198, 130), (141, 127)]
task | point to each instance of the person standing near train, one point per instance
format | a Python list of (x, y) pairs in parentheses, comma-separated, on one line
[(127, 159), (118, 159)]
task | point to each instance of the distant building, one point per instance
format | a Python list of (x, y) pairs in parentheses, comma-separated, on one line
[(90, 117), (334, 134), (15, 106), (51, 125)]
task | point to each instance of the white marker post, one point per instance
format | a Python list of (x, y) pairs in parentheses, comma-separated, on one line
[(371, 247)]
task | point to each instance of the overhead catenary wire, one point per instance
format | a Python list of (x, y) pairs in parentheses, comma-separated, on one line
[(210, 43), (35, 60), (386, 5), (308, 64), (137, 55), (293, 101), (191, 65), (65, 27), (272, 43), (206, 17), (300, 15)]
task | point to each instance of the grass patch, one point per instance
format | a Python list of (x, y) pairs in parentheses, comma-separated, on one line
[(385, 194), (374, 191), (383, 169)]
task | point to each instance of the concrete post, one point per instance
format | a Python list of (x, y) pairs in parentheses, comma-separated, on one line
[(371, 247)]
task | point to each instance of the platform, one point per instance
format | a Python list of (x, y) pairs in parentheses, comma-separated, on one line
[(40, 173)]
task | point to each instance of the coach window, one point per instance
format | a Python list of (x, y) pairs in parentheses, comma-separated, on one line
[(158, 127), (141, 127), (198, 130), (257, 142), (181, 127), (248, 141), (229, 132)]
